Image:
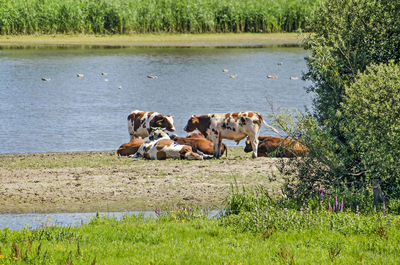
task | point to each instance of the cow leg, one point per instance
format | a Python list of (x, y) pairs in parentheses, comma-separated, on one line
[(219, 147), (193, 156), (216, 144), (254, 145)]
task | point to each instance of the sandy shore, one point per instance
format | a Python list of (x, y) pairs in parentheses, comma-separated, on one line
[(101, 181), (156, 40)]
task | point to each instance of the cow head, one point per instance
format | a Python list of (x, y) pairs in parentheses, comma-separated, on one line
[(248, 147), (192, 124), (130, 148), (158, 133), (166, 122)]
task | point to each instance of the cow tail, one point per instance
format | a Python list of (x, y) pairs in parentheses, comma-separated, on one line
[(268, 126), (226, 151)]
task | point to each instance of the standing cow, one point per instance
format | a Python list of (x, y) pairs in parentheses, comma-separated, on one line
[(141, 122), (232, 126)]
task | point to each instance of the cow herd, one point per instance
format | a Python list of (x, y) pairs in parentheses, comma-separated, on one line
[(206, 144)]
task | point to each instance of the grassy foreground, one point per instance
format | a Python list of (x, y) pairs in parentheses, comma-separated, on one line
[(180, 237), (155, 40)]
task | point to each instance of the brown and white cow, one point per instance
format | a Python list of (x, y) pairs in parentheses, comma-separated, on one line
[(161, 147), (282, 146), (232, 126), (130, 148), (141, 122), (199, 144)]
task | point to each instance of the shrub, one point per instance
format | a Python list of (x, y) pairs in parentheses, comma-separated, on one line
[(349, 36), (371, 114)]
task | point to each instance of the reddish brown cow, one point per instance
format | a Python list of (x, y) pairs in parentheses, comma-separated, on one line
[(199, 144), (130, 148), (283, 147)]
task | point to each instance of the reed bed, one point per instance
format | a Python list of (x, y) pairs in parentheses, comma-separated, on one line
[(152, 16)]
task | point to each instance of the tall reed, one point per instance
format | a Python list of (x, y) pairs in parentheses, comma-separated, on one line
[(143, 16)]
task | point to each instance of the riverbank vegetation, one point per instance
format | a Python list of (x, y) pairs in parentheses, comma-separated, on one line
[(141, 16), (254, 230)]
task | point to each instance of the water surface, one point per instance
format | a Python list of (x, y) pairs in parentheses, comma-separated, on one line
[(18, 221), (89, 113)]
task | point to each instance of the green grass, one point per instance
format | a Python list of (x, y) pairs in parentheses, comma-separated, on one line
[(91, 159), (185, 238), (143, 16), (61, 160)]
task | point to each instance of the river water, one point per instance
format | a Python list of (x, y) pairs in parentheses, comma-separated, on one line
[(70, 113), (20, 221)]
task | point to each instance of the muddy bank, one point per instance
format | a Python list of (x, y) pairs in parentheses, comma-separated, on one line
[(101, 181), (155, 40)]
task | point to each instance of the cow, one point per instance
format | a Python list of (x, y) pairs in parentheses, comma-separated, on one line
[(161, 147), (282, 146), (130, 148), (140, 123), (232, 126), (199, 144)]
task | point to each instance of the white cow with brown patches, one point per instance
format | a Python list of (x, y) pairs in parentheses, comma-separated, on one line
[(141, 122), (161, 147), (232, 126)]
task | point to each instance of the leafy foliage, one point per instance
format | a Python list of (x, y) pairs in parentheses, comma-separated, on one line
[(349, 36), (371, 113)]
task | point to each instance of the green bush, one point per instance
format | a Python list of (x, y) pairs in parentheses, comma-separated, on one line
[(348, 36), (371, 114)]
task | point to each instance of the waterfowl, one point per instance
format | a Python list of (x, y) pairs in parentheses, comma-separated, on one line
[(79, 75), (294, 78), (46, 79), (272, 76), (152, 76)]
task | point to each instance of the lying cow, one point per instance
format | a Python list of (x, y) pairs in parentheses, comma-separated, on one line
[(140, 123), (195, 135), (232, 126), (161, 147), (130, 148), (282, 146), (199, 144)]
